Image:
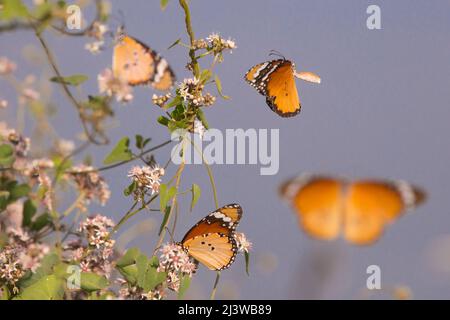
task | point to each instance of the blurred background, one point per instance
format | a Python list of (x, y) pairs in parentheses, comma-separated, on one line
[(382, 111)]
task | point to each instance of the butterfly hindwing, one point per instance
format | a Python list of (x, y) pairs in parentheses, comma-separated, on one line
[(215, 250), (211, 241), (138, 64)]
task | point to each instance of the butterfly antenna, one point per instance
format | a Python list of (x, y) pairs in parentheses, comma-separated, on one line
[(276, 53)]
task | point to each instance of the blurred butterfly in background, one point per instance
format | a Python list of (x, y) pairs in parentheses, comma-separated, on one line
[(135, 62), (212, 240), (275, 80), (359, 210)]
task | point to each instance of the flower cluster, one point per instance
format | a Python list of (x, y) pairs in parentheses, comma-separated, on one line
[(96, 255), (97, 32), (112, 85), (11, 269), (191, 91), (215, 44), (177, 263), (7, 66), (160, 101), (19, 255), (135, 293), (146, 178), (242, 242), (90, 184)]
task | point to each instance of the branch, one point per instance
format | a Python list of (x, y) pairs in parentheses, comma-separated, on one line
[(66, 90)]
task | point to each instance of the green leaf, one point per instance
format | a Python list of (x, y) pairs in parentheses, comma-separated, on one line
[(185, 282), (175, 102), (130, 273), (121, 152), (47, 288), (29, 210), (93, 282), (164, 4), (46, 268), (163, 120), (166, 217), (13, 9), (74, 80), (219, 87), (18, 191), (202, 118), (130, 189), (127, 265), (148, 276), (128, 258), (205, 76), (247, 262), (41, 221), (6, 155), (141, 142), (196, 192), (174, 44), (163, 197), (5, 294)]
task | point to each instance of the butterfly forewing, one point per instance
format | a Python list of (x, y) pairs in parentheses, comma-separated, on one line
[(318, 203), (137, 64), (211, 241)]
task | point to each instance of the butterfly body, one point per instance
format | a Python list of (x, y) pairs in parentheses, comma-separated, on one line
[(276, 81), (211, 241), (358, 210), (137, 64)]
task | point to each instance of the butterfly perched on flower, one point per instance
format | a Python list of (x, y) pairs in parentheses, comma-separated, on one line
[(212, 240), (359, 210), (135, 62), (275, 80)]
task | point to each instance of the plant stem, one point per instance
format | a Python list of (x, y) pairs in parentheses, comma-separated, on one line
[(190, 32), (66, 90), (115, 165), (216, 282)]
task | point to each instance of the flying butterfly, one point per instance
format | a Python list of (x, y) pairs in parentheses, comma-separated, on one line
[(275, 80), (211, 241), (359, 210), (135, 62)]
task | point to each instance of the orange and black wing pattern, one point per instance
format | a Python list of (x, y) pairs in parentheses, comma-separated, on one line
[(137, 64), (372, 205), (359, 211), (275, 80), (211, 241)]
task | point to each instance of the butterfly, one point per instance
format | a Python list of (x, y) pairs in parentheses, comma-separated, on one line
[(135, 62), (211, 241), (359, 210), (275, 80)]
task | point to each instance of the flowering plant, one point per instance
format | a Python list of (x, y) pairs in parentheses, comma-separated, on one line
[(49, 251)]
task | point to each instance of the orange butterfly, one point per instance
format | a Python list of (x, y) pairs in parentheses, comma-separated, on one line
[(275, 80), (359, 210), (211, 241), (138, 64)]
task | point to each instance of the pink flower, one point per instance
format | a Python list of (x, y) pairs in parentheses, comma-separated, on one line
[(111, 85), (7, 66)]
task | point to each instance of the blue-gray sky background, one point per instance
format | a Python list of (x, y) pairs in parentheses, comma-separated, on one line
[(382, 110)]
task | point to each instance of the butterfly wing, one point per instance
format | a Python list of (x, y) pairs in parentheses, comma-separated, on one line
[(371, 205), (223, 221), (275, 80), (211, 240), (317, 201), (215, 250), (138, 64)]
